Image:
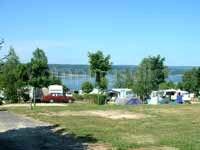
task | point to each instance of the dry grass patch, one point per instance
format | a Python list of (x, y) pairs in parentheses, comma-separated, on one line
[(158, 148), (99, 147), (140, 139), (111, 114)]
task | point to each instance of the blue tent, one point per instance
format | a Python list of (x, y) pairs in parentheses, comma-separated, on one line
[(134, 101)]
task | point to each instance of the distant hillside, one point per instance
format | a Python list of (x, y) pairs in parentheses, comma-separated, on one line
[(84, 69)]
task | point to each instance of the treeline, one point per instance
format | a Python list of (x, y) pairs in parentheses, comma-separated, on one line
[(150, 75), (16, 78), (191, 81)]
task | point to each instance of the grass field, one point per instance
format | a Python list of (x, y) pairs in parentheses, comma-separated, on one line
[(164, 127)]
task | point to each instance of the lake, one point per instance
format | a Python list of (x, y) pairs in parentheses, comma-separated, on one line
[(74, 75), (74, 82)]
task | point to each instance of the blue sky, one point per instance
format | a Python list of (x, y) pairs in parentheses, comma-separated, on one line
[(129, 30)]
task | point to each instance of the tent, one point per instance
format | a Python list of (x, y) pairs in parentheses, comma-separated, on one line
[(134, 101), (121, 101)]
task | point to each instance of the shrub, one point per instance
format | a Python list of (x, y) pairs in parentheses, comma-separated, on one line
[(87, 87), (95, 98), (78, 97), (1, 102)]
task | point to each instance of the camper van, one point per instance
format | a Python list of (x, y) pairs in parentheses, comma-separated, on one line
[(166, 96), (122, 93)]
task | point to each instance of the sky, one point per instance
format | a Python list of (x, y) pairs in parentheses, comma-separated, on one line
[(128, 30)]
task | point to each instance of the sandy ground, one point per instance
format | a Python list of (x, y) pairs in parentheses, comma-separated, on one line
[(109, 114)]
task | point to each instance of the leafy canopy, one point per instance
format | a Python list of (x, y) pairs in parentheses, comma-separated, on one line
[(39, 69), (99, 65), (87, 87), (149, 75)]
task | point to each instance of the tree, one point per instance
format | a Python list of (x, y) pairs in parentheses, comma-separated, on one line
[(39, 72), (87, 87), (159, 70), (9, 79), (22, 76), (143, 79), (149, 75), (99, 65), (167, 85), (3, 58), (191, 81), (103, 84), (54, 80)]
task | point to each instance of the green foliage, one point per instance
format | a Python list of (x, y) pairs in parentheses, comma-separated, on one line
[(3, 58), (98, 99), (39, 69), (87, 87), (191, 81), (78, 97), (53, 80), (65, 88), (9, 79), (99, 65), (16, 77), (179, 86), (149, 75), (167, 85), (103, 84)]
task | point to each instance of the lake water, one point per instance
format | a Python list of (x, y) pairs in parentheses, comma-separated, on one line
[(74, 82)]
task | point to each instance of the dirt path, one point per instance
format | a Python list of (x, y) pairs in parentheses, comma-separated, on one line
[(18, 133), (38, 104)]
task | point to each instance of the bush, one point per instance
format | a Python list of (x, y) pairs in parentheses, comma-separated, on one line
[(87, 87), (1, 102), (98, 99), (78, 97)]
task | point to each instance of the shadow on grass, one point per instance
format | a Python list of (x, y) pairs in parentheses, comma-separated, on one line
[(43, 138), (3, 109)]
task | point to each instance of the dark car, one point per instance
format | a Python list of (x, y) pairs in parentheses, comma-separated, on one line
[(57, 98)]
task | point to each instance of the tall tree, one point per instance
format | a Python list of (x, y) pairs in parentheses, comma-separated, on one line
[(191, 81), (2, 58), (99, 65), (149, 75), (9, 80), (39, 72), (159, 70)]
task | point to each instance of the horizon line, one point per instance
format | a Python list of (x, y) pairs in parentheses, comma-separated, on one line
[(123, 65)]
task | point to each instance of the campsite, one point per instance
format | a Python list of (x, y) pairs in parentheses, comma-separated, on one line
[(100, 75), (144, 127)]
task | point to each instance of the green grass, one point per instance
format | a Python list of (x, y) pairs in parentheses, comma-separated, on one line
[(176, 126)]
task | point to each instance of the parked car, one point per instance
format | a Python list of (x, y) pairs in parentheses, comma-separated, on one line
[(57, 98)]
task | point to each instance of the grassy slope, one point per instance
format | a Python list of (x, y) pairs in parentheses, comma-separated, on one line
[(172, 126)]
